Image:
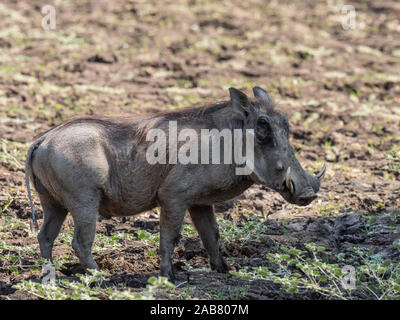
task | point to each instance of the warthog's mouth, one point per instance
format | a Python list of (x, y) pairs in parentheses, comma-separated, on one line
[(306, 195), (287, 189), (303, 199)]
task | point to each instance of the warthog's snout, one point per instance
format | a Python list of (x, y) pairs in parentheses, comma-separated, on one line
[(295, 191), (306, 197)]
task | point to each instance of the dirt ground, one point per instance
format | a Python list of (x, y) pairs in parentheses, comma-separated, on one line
[(340, 89)]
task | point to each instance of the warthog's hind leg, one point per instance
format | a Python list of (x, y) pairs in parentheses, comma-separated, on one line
[(54, 216), (85, 229), (204, 220)]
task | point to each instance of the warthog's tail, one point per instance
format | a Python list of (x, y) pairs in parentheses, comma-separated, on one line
[(33, 223)]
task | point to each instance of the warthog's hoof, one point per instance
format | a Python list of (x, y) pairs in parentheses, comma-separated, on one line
[(221, 267)]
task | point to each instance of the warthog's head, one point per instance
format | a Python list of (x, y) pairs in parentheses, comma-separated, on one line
[(275, 164)]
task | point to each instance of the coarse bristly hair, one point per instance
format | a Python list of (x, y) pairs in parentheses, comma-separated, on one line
[(143, 123)]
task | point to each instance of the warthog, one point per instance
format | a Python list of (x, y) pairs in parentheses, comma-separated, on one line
[(97, 165)]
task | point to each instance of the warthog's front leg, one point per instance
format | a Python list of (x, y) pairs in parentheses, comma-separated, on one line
[(170, 227), (204, 220)]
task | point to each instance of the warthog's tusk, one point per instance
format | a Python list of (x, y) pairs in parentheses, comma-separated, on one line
[(321, 174), (288, 181)]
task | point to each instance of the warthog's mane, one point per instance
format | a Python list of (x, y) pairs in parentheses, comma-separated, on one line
[(139, 125), (204, 114)]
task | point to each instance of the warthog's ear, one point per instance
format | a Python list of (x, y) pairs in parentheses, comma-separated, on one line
[(239, 103), (262, 95)]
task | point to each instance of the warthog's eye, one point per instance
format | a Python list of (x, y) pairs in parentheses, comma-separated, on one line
[(264, 130), (262, 122)]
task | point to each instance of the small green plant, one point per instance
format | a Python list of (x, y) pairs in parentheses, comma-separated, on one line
[(394, 153), (15, 258), (188, 231), (393, 166), (368, 225), (152, 254), (6, 204), (250, 230), (328, 143), (92, 286), (285, 224), (299, 271), (10, 153), (146, 236), (378, 276), (11, 225), (104, 242), (188, 267)]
